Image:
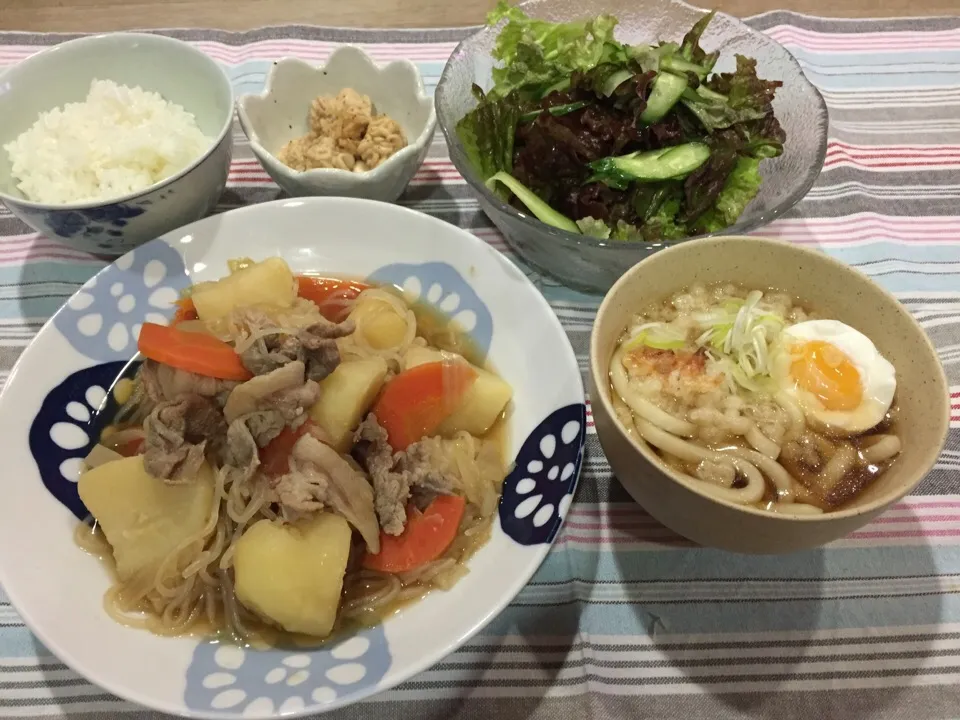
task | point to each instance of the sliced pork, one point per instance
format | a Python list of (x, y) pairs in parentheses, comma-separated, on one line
[(178, 434), (320, 477), (319, 342), (241, 455), (164, 383), (284, 392), (396, 476), (315, 346)]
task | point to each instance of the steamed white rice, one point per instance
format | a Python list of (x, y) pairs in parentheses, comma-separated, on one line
[(118, 141)]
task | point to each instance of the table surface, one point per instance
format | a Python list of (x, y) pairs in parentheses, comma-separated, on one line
[(102, 15), (624, 619)]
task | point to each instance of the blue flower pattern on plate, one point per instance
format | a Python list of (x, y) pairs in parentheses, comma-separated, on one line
[(102, 320), (259, 682), (440, 286), (68, 425), (539, 489)]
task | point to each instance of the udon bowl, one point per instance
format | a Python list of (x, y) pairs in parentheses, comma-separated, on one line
[(819, 283), (59, 397)]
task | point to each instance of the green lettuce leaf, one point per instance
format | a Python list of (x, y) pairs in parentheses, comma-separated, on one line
[(487, 133), (536, 54), (622, 231), (730, 98), (681, 59), (662, 224), (690, 47), (665, 223), (743, 89), (716, 113), (741, 187), (604, 79), (591, 227), (703, 187), (762, 138)]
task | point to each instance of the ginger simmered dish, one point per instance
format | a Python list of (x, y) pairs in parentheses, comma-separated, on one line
[(295, 454), (346, 133), (756, 399)]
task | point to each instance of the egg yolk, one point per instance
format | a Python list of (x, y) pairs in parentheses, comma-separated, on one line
[(825, 372)]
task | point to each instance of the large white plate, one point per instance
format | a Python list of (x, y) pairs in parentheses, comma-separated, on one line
[(58, 396)]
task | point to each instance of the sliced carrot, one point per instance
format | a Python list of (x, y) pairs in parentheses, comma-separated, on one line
[(425, 538), (185, 311), (194, 352), (131, 447), (275, 457), (330, 294), (413, 404)]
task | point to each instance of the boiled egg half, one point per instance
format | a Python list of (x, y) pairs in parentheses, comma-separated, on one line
[(836, 375)]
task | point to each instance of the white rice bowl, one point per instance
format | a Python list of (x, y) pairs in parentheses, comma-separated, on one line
[(120, 140)]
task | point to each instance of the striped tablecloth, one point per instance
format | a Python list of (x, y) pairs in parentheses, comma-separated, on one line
[(624, 620)]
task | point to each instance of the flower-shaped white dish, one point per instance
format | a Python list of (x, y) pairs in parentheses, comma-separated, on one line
[(280, 114)]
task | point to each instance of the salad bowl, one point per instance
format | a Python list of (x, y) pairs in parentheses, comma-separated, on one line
[(573, 255)]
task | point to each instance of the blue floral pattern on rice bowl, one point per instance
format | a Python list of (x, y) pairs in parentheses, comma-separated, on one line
[(62, 389)]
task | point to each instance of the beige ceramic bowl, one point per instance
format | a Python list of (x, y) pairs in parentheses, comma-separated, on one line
[(823, 284)]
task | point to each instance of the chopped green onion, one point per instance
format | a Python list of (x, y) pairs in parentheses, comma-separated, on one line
[(739, 338), (659, 336)]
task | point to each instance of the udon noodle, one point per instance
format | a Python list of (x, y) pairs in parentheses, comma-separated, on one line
[(366, 478), (755, 400)]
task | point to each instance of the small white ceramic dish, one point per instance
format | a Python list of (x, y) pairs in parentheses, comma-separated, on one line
[(280, 114), (174, 69), (58, 398)]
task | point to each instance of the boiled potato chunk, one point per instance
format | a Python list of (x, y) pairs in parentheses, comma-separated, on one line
[(143, 518), (346, 395), (423, 355), (292, 575), (379, 323), (269, 282), (482, 404)]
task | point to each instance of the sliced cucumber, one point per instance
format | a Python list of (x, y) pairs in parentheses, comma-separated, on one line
[(676, 64), (667, 89), (543, 212), (614, 81), (556, 111), (665, 164), (708, 94), (558, 86)]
